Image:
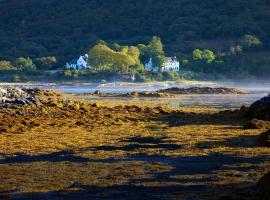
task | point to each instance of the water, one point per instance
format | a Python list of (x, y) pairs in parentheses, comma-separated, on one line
[(257, 91)]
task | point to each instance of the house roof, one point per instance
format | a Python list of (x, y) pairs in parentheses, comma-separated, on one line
[(171, 59)]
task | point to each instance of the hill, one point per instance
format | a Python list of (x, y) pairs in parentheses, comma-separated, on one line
[(66, 28)]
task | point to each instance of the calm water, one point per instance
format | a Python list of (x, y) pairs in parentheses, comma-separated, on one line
[(215, 101)]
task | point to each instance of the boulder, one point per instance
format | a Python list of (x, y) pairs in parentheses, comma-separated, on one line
[(265, 138), (11, 97), (257, 124), (98, 92), (263, 188), (260, 109)]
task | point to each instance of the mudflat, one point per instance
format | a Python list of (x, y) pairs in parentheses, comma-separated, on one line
[(65, 149)]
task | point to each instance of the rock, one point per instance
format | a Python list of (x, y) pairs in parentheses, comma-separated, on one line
[(98, 92), (3, 92), (263, 188), (11, 97), (202, 90), (20, 101), (94, 105), (260, 109), (257, 124), (265, 138)]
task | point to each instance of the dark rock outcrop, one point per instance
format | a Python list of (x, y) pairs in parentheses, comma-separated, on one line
[(257, 124), (202, 90), (265, 138), (263, 188), (260, 109)]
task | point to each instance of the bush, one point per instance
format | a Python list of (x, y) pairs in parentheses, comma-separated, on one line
[(15, 78)]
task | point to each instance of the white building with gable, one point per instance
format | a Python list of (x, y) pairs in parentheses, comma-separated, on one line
[(78, 64), (172, 64)]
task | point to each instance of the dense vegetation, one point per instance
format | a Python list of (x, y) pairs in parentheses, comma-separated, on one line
[(209, 37)]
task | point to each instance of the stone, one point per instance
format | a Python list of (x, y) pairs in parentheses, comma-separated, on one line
[(257, 124), (263, 188), (260, 109)]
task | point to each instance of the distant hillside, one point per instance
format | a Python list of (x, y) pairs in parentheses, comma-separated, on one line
[(67, 27)]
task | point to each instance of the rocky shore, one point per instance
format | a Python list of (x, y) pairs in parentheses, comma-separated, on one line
[(87, 137), (172, 92), (202, 90), (11, 97)]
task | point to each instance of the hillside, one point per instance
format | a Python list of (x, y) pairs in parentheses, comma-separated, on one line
[(65, 28)]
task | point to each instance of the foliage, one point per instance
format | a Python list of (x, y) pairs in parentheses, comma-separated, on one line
[(197, 54), (25, 64), (250, 41), (208, 55), (237, 31), (6, 66), (103, 58), (40, 28), (46, 63), (153, 50), (15, 78)]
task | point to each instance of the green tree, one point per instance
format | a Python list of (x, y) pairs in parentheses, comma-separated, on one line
[(156, 46), (208, 55), (159, 60), (46, 63), (197, 54), (25, 64), (185, 62), (134, 52), (102, 58), (250, 41), (155, 51), (6, 66), (145, 53)]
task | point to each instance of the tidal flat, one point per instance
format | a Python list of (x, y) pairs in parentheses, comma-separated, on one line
[(73, 148)]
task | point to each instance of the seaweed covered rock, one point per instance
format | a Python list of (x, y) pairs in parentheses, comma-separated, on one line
[(260, 109), (13, 97), (202, 90), (257, 124), (263, 188)]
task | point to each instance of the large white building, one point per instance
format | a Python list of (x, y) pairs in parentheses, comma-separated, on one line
[(78, 64), (172, 64)]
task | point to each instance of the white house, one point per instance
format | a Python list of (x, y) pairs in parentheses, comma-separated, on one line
[(172, 64), (78, 64)]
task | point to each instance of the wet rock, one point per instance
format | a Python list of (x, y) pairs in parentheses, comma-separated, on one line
[(265, 138), (11, 97), (94, 105), (263, 188), (20, 101), (98, 92), (260, 109), (202, 90), (257, 124)]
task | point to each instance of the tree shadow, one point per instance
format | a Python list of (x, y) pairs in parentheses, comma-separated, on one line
[(183, 179), (234, 118), (242, 141), (142, 143)]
